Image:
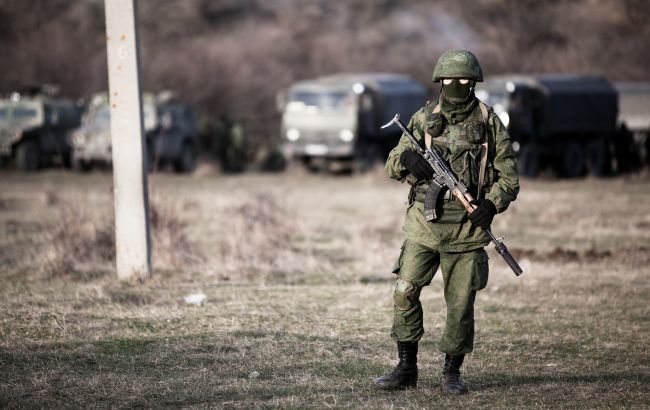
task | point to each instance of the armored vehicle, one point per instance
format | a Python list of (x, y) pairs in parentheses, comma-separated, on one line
[(170, 129), (333, 122), (634, 115), (34, 130), (567, 122)]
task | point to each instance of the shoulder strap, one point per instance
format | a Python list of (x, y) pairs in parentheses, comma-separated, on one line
[(484, 111), (427, 136), (484, 156)]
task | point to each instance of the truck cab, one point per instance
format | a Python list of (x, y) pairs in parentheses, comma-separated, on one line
[(34, 130), (333, 122), (171, 134)]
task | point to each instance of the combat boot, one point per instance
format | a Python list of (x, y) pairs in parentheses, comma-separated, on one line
[(451, 383), (405, 374)]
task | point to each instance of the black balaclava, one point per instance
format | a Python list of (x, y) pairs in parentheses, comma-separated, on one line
[(457, 92)]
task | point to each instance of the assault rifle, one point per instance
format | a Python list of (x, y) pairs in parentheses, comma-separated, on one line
[(443, 177)]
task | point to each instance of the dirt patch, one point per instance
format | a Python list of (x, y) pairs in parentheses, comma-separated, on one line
[(560, 255), (643, 225)]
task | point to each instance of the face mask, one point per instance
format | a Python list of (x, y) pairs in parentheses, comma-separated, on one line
[(457, 90)]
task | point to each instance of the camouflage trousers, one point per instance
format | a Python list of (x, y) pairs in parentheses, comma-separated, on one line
[(464, 273)]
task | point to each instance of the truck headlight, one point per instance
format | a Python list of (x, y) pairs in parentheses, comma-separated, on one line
[(78, 138), (293, 134), (505, 118), (346, 135)]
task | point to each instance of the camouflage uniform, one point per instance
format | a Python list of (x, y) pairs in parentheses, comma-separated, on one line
[(452, 242)]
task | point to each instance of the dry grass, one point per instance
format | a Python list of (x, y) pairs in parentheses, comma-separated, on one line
[(572, 332), (77, 240)]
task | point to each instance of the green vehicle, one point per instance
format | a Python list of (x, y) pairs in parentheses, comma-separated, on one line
[(170, 129), (333, 122), (564, 122), (34, 130)]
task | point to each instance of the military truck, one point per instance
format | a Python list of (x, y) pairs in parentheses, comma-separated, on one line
[(333, 122), (34, 130), (566, 122), (170, 129), (634, 117)]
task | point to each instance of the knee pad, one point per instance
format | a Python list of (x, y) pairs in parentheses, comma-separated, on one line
[(405, 295)]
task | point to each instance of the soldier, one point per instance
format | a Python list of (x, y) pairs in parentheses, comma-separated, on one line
[(476, 145)]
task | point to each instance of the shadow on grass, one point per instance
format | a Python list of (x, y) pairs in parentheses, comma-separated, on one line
[(243, 368), (502, 380), (237, 369)]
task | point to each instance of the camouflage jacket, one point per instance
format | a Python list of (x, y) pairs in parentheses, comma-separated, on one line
[(461, 146)]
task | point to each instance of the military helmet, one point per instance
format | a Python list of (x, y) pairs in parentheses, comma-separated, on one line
[(457, 64)]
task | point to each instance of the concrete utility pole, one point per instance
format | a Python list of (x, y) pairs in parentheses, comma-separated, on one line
[(132, 237)]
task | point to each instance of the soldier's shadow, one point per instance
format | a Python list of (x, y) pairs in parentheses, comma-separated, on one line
[(501, 380)]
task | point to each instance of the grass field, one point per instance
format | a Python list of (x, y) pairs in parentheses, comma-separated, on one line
[(296, 269)]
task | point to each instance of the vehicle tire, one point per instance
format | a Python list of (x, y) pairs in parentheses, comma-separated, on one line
[(186, 162), (572, 160), (315, 165), (529, 161), (626, 152), (80, 165), (67, 160), (597, 157), (28, 156), (274, 161)]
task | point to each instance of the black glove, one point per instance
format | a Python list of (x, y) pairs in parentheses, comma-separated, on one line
[(416, 165), (483, 214)]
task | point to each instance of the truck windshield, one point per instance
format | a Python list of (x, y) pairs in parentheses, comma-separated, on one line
[(23, 113), (323, 100), (103, 117), (20, 114)]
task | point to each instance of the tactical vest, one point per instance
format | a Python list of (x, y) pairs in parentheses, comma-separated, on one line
[(465, 148)]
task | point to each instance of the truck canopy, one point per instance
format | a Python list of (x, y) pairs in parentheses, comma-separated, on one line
[(585, 104), (568, 103)]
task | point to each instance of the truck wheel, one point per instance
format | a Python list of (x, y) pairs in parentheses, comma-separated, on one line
[(626, 152), (28, 156), (67, 160), (315, 165), (80, 165), (529, 161), (597, 157), (186, 162), (572, 160)]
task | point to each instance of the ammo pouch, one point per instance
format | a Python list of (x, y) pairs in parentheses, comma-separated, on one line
[(465, 147), (448, 209)]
